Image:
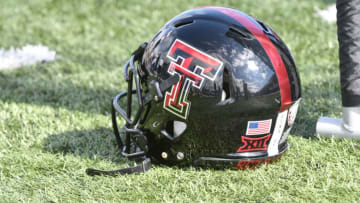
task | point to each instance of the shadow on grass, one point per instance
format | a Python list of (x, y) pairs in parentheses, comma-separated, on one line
[(101, 144), (42, 87), (97, 143), (319, 98)]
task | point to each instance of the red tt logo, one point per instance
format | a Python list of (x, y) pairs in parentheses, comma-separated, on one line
[(193, 67), (254, 144)]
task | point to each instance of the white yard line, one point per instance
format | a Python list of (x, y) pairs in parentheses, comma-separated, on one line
[(27, 55)]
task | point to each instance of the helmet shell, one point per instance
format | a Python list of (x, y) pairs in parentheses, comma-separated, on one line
[(234, 75)]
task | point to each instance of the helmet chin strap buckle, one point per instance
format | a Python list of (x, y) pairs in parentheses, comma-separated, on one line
[(346, 127)]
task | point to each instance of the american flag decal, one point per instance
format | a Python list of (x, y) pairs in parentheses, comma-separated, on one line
[(258, 127)]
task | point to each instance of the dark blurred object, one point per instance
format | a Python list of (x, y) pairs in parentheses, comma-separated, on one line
[(348, 22)]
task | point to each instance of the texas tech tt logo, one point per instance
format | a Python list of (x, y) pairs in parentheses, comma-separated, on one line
[(193, 67)]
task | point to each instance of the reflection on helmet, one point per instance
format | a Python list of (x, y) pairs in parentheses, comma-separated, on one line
[(214, 85)]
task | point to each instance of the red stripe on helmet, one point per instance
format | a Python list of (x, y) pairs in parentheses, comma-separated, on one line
[(270, 49)]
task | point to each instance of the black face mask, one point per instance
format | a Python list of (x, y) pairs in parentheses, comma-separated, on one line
[(132, 133)]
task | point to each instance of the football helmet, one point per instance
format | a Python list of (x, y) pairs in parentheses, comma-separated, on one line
[(214, 85)]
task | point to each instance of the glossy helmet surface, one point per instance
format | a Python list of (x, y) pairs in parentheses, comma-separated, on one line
[(213, 85)]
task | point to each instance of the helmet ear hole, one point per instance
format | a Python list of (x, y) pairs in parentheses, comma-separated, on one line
[(175, 128), (179, 128), (226, 86)]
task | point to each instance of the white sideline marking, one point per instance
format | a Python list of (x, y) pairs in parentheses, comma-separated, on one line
[(328, 14), (27, 55)]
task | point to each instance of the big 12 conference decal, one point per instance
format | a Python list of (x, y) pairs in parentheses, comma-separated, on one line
[(254, 144), (193, 67)]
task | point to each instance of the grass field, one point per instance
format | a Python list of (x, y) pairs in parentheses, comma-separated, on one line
[(55, 119)]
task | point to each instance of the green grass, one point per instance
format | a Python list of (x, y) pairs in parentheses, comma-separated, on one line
[(55, 120)]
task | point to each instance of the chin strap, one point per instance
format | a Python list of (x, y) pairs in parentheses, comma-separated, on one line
[(144, 166)]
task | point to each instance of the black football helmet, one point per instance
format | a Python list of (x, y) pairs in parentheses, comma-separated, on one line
[(214, 85)]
